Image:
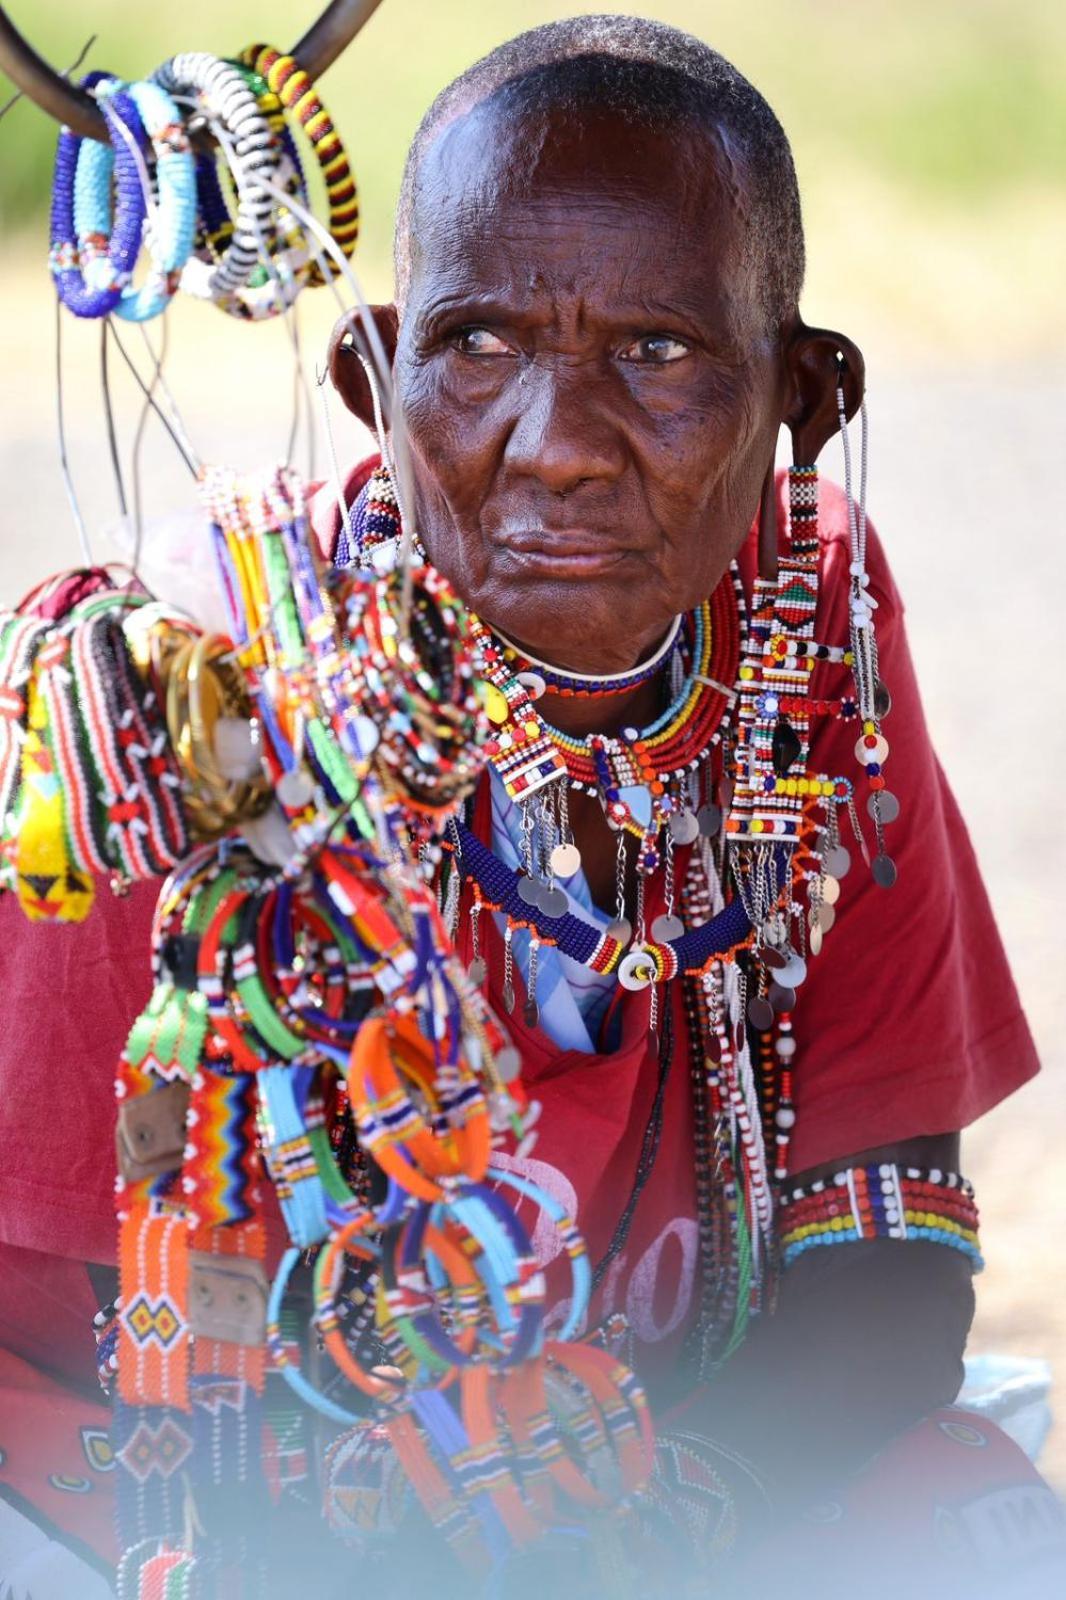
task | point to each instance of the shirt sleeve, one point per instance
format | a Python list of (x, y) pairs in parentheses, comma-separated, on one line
[(909, 1022)]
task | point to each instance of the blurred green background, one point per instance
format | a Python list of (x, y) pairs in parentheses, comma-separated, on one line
[(930, 138)]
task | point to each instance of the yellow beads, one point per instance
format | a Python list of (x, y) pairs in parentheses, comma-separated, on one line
[(496, 708)]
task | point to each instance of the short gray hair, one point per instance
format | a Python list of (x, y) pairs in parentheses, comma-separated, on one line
[(654, 75)]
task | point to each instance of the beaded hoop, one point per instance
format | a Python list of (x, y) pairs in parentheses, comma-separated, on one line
[(121, 249), (287, 79), (223, 94), (172, 226)]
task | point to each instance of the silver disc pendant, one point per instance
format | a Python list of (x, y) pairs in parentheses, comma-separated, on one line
[(814, 941), (667, 927), (837, 861), (884, 871), (531, 1013), (830, 890), (295, 789), (760, 1013), (683, 826), (508, 995), (824, 917), (565, 860), (477, 972), (508, 1063), (781, 997), (620, 928), (709, 819), (529, 891), (792, 974), (553, 903), (884, 803)]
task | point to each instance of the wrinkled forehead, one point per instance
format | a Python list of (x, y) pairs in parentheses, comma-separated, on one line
[(580, 199)]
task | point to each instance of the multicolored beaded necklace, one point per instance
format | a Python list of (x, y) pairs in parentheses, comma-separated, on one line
[(765, 857)]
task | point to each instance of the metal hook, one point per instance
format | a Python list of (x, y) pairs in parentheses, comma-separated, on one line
[(109, 417), (335, 471), (64, 463), (20, 94), (287, 309)]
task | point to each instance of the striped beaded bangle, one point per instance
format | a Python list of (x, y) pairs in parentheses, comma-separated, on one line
[(298, 95), (279, 1349), (880, 1202), (222, 94), (121, 249)]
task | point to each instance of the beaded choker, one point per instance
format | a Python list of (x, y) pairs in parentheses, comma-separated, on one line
[(539, 676)]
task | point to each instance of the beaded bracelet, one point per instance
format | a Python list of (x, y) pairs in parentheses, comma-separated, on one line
[(70, 754), (173, 221), (328, 1268), (83, 298), (880, 1202), (386, 1048), (51, 879), (20, 640), (222, 94), (572, 1242), (446, 1511), (140, 745), (287, 79), (131, 814), (622, 1404), (416, 1310), (483, 1466), (538, 1439), (285, 260), (279, 1353), (508, 1265)]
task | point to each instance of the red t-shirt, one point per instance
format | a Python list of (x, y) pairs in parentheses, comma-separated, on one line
[(908, 1024)]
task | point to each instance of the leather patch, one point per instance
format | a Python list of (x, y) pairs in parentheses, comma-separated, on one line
[(150, 1134), (227, 1297)]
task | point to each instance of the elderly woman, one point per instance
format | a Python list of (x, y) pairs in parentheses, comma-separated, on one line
[(595, 344)]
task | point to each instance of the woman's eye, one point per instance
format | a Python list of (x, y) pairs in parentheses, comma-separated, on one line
[(479, 342), (656, 348)]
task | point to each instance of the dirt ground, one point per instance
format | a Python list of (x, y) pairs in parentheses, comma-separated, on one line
[(965, 491)]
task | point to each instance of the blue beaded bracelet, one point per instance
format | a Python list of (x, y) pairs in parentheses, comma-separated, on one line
[(95, 298), (172, 226)]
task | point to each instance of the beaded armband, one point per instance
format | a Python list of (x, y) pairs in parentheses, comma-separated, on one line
[(879, 1202)]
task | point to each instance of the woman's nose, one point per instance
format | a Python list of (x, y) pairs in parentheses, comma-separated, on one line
[(564, 433)]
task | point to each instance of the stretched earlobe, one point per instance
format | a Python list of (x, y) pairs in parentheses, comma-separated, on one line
[(817, 360), (346, 370), (768, 525)]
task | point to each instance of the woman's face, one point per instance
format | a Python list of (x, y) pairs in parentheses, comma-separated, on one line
[(590, 392)]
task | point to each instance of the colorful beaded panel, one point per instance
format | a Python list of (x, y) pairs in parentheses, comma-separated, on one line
[(880, 1202)]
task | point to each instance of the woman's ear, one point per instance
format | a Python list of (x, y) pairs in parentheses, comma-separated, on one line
[(345, 367), (817, 360)]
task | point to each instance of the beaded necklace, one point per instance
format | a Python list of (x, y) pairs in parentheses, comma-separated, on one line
[(777, 839)]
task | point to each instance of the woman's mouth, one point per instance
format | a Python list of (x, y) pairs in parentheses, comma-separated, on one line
[(567, 553)]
